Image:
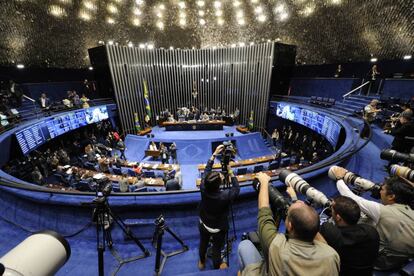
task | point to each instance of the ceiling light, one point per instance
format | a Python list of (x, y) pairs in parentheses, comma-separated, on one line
[(239, 14), (136, 22), (200, 3), (141, 46), (258, 9), (219, 12), (202, 22), (217, 4), (150, 46), (137, 11), (84, 16), (233, 45), (279, 8), (160, 25), (90, 6), (261, 18), (336, 2), (374, 59), (220, 21), (181, 4), (130, 44), (182, 15), (110, 20), (283, 16), (241, 21), (139, 2), (20, 66), (112, 8), (251, 43), (161, 7), (407, 57), (158, 14), (101, 42), (183, 22), (171, 48), (110, 42), (254, 1), (242, 44), (201, 13), (236, 3), (57, 11), (90, 68)]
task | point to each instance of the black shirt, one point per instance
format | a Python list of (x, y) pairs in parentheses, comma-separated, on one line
[(400, 143), (357, 246), (214, 206)]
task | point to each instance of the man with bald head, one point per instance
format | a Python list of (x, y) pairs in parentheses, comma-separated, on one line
[(300, 251)]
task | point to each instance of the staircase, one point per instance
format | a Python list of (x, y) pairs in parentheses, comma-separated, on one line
[(29, 110), (352, 103)]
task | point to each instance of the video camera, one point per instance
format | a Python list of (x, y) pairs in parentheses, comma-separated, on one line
[(303, 187), (228, 154), (395, 156), (351, 178), (102, 184), (278, 203)]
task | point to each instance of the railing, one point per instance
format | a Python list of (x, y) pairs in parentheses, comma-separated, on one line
[(355, 89)]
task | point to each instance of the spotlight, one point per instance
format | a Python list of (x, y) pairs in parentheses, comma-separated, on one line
[(90, 68), (241, 44), (236, 3), (251, 43), (137, 11), (233, 45), (110, 20), (130, 44), (20, 66), (407, 57), (141, 46), (201, 13), (219, 12), (241, 21), (202, 22), (258, 10), (217, 4), (374, 59), (181, 4), (161, 7), (110, 42), (183, 22), (160, 25), (262, 18), (220, 21), (200, 3), (171, 48), (139, 2), (150, 46)]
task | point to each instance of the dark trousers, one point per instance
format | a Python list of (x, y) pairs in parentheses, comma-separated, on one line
[(218, 240), (122, 154)]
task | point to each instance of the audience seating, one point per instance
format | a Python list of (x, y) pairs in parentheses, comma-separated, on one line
[(131, 173), (117, 171), (241, 171), (149, 174), (258, 168), (326, 102)]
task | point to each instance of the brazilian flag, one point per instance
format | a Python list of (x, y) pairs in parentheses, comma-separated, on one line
[(137, 125), (250, 124), (146, 99)]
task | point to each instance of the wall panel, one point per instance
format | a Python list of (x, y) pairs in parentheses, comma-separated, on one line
[(227, 77)]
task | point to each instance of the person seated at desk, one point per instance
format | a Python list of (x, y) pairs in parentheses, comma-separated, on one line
[(139, 183), (204, 117), (175, 183), (153, 146), (37, 176), (90, 153), (103, 165), (123, 184), (170, 119), (137, 168), (84, 101), (3, 118)]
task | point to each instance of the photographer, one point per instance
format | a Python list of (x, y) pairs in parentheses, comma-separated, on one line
[(357, 244), (406, 128), (214, 209), (393, 218), (301, 251)]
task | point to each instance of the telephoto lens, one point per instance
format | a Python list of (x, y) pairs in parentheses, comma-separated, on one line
[(42, 253), (406, 172), (351, 178), (395, 156), (278, 203), (301, 186)]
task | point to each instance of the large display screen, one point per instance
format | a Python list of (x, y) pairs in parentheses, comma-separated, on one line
[(320, 123), (35, 135)]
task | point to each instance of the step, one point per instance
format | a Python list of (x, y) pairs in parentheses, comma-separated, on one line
[(351, 105)]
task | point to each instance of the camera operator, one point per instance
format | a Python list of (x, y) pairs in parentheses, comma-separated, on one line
[(301, 251), (214, 209), (357, 244), (406, 129), (393, 218)]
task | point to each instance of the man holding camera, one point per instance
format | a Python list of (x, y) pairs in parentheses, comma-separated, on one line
[(301, 251), (214, 208), (393, 219), (356, 243)]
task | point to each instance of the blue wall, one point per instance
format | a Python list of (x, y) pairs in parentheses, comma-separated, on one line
[(324, 87), (398, 88)]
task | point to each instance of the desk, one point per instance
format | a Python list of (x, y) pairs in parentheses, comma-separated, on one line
[(153, 153), (115, 178), (242, 129), (147, 166), (246, 162), (194, 125), (250, 176)]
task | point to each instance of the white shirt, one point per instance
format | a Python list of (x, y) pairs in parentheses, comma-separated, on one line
[(368, 207)]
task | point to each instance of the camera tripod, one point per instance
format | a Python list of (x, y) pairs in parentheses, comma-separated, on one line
[(160, 228), (102, 215)]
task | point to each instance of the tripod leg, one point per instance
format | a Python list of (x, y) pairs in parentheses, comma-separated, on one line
[(128, 233), (175, 236), (158, 255), (100, 245)]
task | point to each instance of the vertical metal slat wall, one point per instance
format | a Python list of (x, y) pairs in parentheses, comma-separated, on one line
[(227, 77)]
